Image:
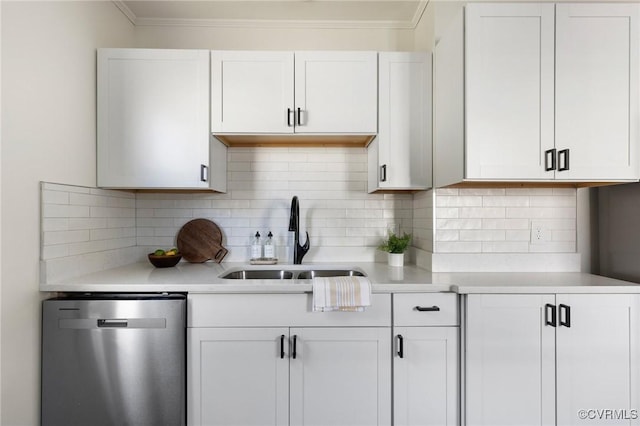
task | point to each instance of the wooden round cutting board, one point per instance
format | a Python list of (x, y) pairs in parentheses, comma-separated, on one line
[(200, 240)]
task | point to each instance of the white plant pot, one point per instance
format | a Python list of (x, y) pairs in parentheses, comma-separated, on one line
[(396, 259)]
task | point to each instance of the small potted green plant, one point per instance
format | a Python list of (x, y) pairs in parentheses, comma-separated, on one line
[(396, 245)]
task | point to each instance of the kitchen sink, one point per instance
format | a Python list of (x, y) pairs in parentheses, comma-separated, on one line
[(258, 274), (279, 274), (308, 275)]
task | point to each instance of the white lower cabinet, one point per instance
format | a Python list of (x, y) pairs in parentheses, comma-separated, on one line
[(539, 359), (528, 359), (341, 376), (597, 357), (425, 381), (237, 377), (425, 361), (291, 367)]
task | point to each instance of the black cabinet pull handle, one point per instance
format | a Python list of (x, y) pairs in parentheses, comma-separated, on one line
[(294, 352), (567, 315), (289, 111), (282, 346), (383, 173), (433, 308), (550, 319), (548, 167), (204, 175), (400, 346), (563, 160), (299, 119)]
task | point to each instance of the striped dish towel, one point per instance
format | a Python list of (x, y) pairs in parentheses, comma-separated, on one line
[(351, 294)]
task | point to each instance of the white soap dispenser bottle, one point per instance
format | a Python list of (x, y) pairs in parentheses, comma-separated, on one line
[(256, 247), (269, 247)]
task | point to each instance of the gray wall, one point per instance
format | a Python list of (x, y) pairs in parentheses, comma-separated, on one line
[(619, 231)]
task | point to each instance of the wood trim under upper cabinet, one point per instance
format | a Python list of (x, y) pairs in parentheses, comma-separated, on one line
[(306, 141), (532, 184)]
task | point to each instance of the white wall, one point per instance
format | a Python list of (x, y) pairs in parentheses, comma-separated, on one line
[(48, 108), (424, 35), (273, 38), (48, 112), (0, 202)]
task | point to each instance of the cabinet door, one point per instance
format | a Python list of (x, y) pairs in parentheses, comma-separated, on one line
[(341, 376), (404, 108), (251, 92), (509, 90), (597, 356), (153, 120), (597, 90), (336, 92), (425, 383), (509, 361), (237, 376)]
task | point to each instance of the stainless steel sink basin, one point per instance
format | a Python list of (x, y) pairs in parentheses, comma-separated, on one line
[(280, 274), (259, 274), (308, 275)]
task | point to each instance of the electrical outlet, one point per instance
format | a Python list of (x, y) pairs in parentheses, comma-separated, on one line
[(539, 234)]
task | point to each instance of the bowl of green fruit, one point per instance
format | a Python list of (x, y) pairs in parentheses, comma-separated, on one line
[(165, 258)]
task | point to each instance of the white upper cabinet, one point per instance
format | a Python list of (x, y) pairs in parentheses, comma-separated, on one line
[(400, 156), (597, 77), (251, 92), (286, 92), (153, 121), (538, 92), (509, 84), (336, 92)]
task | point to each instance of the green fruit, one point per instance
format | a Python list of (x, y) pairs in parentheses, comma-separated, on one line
[(159, 252)]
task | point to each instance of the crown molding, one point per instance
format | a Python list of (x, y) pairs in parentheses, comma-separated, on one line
[(263, 23), (419, 12), (125, 11)]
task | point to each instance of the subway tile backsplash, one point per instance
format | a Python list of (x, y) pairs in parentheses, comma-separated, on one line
[(78, 220), (504, 220), (84, 230), (88, 229), (343, 221)]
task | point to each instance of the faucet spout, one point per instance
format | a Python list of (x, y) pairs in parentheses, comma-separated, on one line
[(294, 225)]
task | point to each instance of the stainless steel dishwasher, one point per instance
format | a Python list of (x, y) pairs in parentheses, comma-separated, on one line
[(114, 359)]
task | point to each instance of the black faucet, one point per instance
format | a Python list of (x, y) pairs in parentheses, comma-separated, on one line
[(294, 225)]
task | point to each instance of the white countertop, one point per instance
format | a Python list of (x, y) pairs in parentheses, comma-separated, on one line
[(205, 278)]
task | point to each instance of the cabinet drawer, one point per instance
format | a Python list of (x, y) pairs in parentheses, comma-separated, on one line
[(279, 310), (436, 309)]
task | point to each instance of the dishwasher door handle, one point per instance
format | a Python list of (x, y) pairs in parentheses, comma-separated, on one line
[(94, 323), (113, 323)]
